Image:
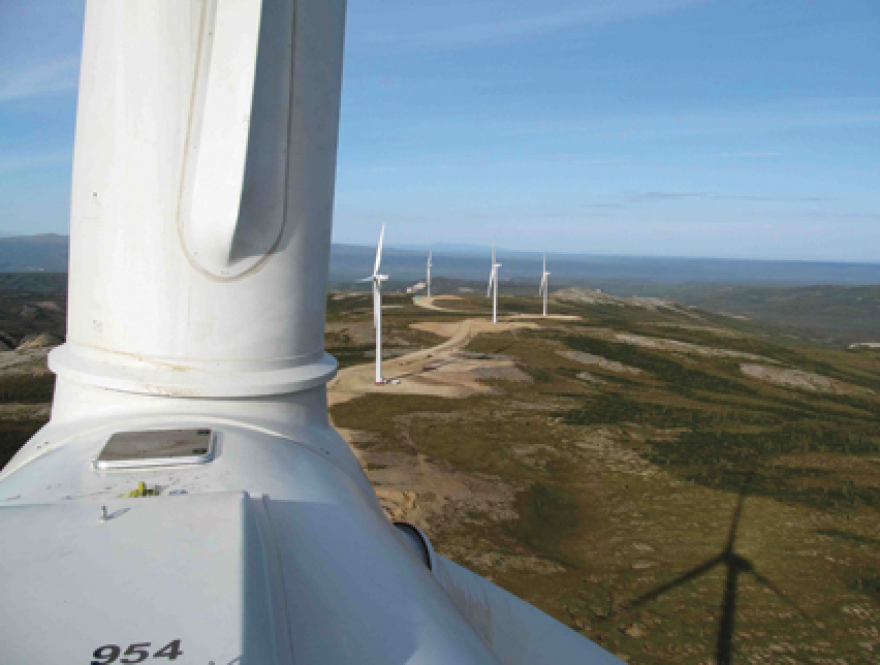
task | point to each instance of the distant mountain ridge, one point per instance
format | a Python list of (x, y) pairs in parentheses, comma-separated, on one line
[(637, 275), (837, 300), (451, 248)]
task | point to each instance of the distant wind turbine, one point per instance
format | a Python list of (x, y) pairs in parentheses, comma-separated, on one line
[(544, 288), (377, 280), (430, 255), (493, 282)]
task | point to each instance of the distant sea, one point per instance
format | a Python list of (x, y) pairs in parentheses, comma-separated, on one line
[(619, 273)]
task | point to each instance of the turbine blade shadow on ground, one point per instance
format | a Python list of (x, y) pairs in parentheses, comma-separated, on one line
[(677, 582), (782, 595), (736, 565)]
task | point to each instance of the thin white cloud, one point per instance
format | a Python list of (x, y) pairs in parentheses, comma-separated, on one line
[(504, 24), (28, 161), (750, 154), (663, 195), (50, 77), (748, 120)]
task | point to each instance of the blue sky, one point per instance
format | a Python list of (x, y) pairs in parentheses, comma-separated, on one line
[(729, 128)]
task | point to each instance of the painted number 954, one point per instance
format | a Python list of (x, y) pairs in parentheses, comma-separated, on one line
[(135, 653)]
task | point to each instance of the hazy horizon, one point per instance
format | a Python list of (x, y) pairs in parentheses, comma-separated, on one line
[(350, 262), (477, 249)]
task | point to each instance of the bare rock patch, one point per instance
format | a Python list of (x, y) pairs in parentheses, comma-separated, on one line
[(598, 361), (800, 380)]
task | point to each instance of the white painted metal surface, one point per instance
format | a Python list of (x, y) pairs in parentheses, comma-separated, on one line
[(154, 571), (200, 228), (203, 188)]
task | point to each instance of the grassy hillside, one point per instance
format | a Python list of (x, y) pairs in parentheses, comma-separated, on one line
[(665, 497), (837, 313)]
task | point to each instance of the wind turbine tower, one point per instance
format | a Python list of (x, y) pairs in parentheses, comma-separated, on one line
[(493, 286), (428, 281), (377, 280), (542, 291)]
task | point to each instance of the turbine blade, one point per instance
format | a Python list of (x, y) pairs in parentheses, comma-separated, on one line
[(379, 251), (493, 253), (545, 263)]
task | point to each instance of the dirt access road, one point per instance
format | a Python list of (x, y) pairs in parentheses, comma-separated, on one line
[(431, 303), (440, 370), (410, 486)]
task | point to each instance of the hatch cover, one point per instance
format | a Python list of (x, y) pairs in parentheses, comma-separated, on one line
[(167, 447)]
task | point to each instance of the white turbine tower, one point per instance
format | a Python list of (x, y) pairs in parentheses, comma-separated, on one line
[(430, 256), (377, 280), (542, 291), (493, 286)]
